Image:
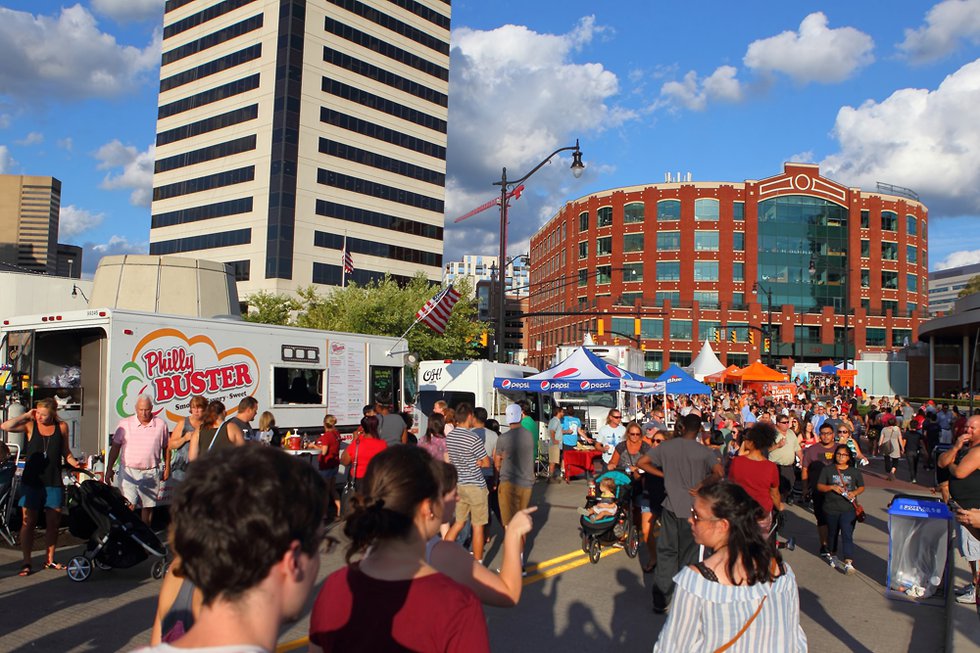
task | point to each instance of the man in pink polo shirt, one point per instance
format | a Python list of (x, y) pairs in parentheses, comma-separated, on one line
[(142, 439)]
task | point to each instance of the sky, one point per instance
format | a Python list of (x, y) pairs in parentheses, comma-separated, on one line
[(870, 91)]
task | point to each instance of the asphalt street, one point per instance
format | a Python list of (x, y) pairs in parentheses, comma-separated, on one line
[(568, 602)]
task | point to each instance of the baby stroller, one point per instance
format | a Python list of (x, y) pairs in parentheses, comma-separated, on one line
[(117, 537), (8, 493), (614, 529)]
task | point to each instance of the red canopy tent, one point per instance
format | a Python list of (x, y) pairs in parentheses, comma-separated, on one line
[(765, 381), (722, 376)]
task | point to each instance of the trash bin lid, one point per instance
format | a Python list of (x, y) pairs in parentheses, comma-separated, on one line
[(921, 508)]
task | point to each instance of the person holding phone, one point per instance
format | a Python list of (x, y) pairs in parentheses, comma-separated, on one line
[(962, 461)]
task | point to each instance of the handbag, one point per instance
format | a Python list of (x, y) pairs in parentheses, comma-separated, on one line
[(351, 485), (859, 512), (742, 630)]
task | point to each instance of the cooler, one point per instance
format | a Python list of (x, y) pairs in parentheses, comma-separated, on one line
[(919, 541)]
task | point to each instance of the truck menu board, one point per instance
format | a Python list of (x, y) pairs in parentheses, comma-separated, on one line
[(346, 379)]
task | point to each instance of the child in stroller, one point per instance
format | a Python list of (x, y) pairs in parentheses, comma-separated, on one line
[(609, 519)]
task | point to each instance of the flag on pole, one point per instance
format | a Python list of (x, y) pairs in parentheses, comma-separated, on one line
[(348, 259), (437, 310)]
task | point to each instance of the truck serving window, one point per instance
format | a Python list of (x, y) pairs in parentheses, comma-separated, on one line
[(294, 385), (428, 398)]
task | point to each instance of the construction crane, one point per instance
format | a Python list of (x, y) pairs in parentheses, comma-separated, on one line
[(516, 194)]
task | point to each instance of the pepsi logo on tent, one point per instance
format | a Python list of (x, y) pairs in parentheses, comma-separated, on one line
[(570, 372), (584, 385), (544, 385), (505, 384), (615, 371)]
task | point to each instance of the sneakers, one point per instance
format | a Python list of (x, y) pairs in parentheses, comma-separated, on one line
[(825, 554), (835, 563), (970, 596), (966, 589), (848, 568)]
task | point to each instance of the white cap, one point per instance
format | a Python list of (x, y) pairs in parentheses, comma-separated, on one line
[(513, 414)]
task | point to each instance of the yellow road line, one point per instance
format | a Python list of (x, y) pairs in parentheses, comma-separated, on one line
[(560, 569), (293, 645), (553, 561)]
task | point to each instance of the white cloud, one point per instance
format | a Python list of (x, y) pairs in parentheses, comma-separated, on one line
[(947, 23), (66, 143), (694, 94), (74, 221), (33, 138), (7, 162), (4, 120), (125, 11), (956, 259), (814, 54), (925, 140), (136, 174), (802, 157), (67, 57), (515, 96), (92, 253)]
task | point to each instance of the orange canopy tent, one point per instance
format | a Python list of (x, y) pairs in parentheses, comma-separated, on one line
[(759, 372), (723, 376)]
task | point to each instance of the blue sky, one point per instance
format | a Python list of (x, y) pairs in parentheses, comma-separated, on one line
[(871, 91)]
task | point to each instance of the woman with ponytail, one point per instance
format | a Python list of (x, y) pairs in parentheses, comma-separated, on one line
[(383, 599), (741, 598)]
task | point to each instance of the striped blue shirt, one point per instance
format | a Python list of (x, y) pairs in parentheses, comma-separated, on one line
[(705, 616), (466, 448)]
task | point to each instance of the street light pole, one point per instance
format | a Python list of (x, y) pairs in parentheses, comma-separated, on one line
[(505, 184), (756, 287)]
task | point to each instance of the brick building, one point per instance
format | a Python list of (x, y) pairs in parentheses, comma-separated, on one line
[(713, 260)]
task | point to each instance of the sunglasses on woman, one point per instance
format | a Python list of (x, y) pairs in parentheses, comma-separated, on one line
[(698, 518)]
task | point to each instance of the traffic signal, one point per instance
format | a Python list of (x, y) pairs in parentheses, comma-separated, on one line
[(766, 344), (751, 337), (718, 335), (636, 327), (733, 336), (600, 329), (484, 337)]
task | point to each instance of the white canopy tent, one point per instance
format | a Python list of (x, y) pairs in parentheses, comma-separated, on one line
[(706, 363)]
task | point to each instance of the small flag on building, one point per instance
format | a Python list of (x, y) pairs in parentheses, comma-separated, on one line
[(348, 261), (437, 310)]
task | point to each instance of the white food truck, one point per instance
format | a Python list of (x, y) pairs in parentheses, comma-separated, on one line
[(96, 362)]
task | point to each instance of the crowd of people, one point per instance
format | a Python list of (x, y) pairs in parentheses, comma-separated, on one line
[(711, 477)]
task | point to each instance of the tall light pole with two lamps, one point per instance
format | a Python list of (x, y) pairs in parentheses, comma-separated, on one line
[(505, 185)]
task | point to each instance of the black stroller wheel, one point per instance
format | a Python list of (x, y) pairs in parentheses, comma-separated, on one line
[(159, 569), (595, 549), (632, 541), (79, 568), (585, 542)]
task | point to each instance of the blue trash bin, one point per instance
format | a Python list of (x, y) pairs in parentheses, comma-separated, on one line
[(919, 542)]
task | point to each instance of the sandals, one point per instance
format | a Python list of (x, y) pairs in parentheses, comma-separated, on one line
[(57, 566), (25, 569)]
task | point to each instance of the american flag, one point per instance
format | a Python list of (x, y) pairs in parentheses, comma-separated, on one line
[(437, 310), (348, 261)]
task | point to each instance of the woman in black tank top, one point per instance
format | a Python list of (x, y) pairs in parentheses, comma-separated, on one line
[(42, 488), (201, 441)]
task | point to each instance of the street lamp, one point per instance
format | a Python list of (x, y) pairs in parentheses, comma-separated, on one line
[(505, 184), (756, 288)]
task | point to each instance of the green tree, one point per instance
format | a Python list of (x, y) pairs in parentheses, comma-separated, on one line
[(270, 308), (387, 309), (972, 286)]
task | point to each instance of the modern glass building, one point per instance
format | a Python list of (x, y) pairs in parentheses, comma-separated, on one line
[(797, 260)]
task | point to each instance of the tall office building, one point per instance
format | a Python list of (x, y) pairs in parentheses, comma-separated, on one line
[(945, 286), (288, 128), (29, 212)]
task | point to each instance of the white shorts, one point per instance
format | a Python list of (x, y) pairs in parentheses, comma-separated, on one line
[(969, 546), (140, 486)]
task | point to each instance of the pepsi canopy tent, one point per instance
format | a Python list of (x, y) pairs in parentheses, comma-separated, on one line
[(582, 371), (677, 382)]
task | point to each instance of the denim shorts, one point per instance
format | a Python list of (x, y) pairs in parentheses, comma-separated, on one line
[(47, 497)]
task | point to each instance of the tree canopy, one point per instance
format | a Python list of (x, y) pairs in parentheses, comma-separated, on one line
[(972, 286), (381, 308)]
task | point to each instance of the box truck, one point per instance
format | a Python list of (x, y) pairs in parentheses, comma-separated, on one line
[(96, 362)]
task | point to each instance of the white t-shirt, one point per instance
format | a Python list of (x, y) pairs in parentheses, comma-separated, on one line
[(610, 436)]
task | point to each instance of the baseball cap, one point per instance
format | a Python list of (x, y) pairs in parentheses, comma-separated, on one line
[(513, 414)]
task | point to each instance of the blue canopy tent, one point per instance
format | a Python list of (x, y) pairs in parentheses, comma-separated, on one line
[(677, 382), (582, 371)]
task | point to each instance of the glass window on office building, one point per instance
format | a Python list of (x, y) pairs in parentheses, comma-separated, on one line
[(680, 358), (630, 298), (708, 329), (622, 326), (603, 246), (706, 241), (865, 219), (738, 241), (669, 210), (633, 242), (668, 270), (865, 248), (603, 274), (738, 299), (706, 209), (706, 270), (632, 272), (668, 240), (652, 328), (889, 251), (671, 296), (603, 217), (901, 337), (740, 360), (583, 278), (889, 280), (912, 254), (681, 330), (706, 298), (889, 305), (865, 278), (583, 221), (875, 337), (583, 249), (653, 361), (633, 212), (738, 271), (738, 211), (912, 282), (889, 221), (911, 225)]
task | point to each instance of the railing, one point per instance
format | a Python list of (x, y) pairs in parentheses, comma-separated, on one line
[(901, 191)]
